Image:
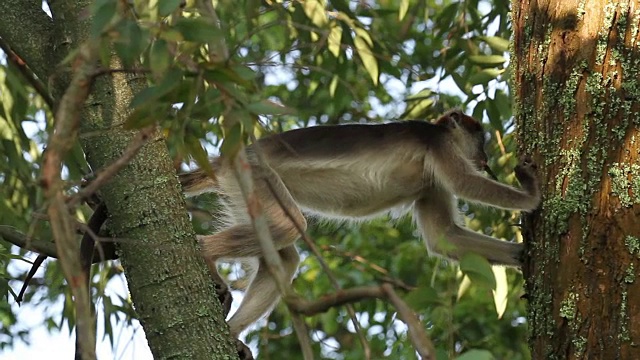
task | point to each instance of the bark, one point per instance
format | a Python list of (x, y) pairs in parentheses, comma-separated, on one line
[(168, 280), (577, 89)]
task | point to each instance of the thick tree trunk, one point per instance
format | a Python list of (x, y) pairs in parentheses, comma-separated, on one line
[(577, 84), (169, 283)]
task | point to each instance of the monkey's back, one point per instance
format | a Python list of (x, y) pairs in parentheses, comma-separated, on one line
[(371, 168)]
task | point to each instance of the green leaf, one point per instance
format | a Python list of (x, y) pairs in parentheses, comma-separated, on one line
[(489, 60), (402, 10), (159, 58), (315, 12), (199, 154), (500, 294), (478, 269), (476, 354), (102, 15), (166, 7), (266, 107), (496, 43), (197, 30), (483, 77), (334, 39), (364, 45), (232, 140), (422, 298)]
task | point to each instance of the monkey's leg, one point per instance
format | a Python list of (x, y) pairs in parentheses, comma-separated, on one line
[(263, 294), (240, 239), (436, 217)]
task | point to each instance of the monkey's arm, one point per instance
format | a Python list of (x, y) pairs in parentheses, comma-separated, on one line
[(462, 179)]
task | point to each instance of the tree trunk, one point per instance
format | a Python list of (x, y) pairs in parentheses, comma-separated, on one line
[(577, 90), (169, 283)]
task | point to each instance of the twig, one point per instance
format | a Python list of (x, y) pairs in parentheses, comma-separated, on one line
[(26, 72), (418, 336), (67, 118), (340, 297), (323, 264), (107, 173), (47, 248), (17, 238), (34, 267)]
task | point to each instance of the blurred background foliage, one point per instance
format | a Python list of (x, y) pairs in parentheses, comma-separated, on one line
[(292, 64)]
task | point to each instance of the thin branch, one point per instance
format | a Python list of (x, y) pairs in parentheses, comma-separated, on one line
[(67, 119), (341, 297), (417, 334), (47, 248), (17, 238), (107, 173), (323, 264), (27, 73)]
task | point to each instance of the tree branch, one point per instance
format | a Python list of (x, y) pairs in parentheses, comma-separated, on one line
[(67, 118)]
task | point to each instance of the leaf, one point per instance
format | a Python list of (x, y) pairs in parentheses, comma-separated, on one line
[(422, 298), (198, 154), (232, 141), (166, 7), (315, 12), (159, 58), (197, 30), (500, 294), (334, 40), (496, 43), (483, 77), (364, 44), (402, 11), (267, 107), (102, 16), (490, 60), (478, 269), (476, 354)]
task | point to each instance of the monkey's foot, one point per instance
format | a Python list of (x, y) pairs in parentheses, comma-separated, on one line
[(225, 298), (243, 351)]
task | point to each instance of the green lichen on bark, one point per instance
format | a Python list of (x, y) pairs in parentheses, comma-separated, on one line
[(625, 183)]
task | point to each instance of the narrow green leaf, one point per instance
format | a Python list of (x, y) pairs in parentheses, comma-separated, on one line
[(266, 107), (334, 40), (199, 154), (478, 269), (232, 140), (166, 7), (315, 12), (402, 11), (490, 60), (364, 44), (159, 57), (102, 15), (197, 30), (476, 354), (483, 77), (500, 294), (496, 43)]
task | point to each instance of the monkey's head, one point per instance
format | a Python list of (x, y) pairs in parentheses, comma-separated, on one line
[(469, 136)]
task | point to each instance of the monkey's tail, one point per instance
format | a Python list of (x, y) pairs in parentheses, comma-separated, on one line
[(197, 182)]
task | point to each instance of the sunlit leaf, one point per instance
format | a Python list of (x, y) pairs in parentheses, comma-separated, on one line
[(364, 45), (478, 269), (501, 292)]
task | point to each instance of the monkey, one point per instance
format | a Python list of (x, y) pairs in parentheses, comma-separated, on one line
[(359, 171)]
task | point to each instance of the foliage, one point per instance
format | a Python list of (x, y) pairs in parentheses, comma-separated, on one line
[(295, 64)]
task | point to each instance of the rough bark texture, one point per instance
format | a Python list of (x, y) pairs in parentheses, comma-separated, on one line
[(577, 67), (169, 282)]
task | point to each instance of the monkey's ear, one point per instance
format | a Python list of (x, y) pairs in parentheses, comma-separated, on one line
[(451, 120)]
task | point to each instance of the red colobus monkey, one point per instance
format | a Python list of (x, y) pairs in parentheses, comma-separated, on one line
[(360, 171)]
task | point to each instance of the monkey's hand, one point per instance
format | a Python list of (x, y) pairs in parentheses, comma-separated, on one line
[(526, 174)]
